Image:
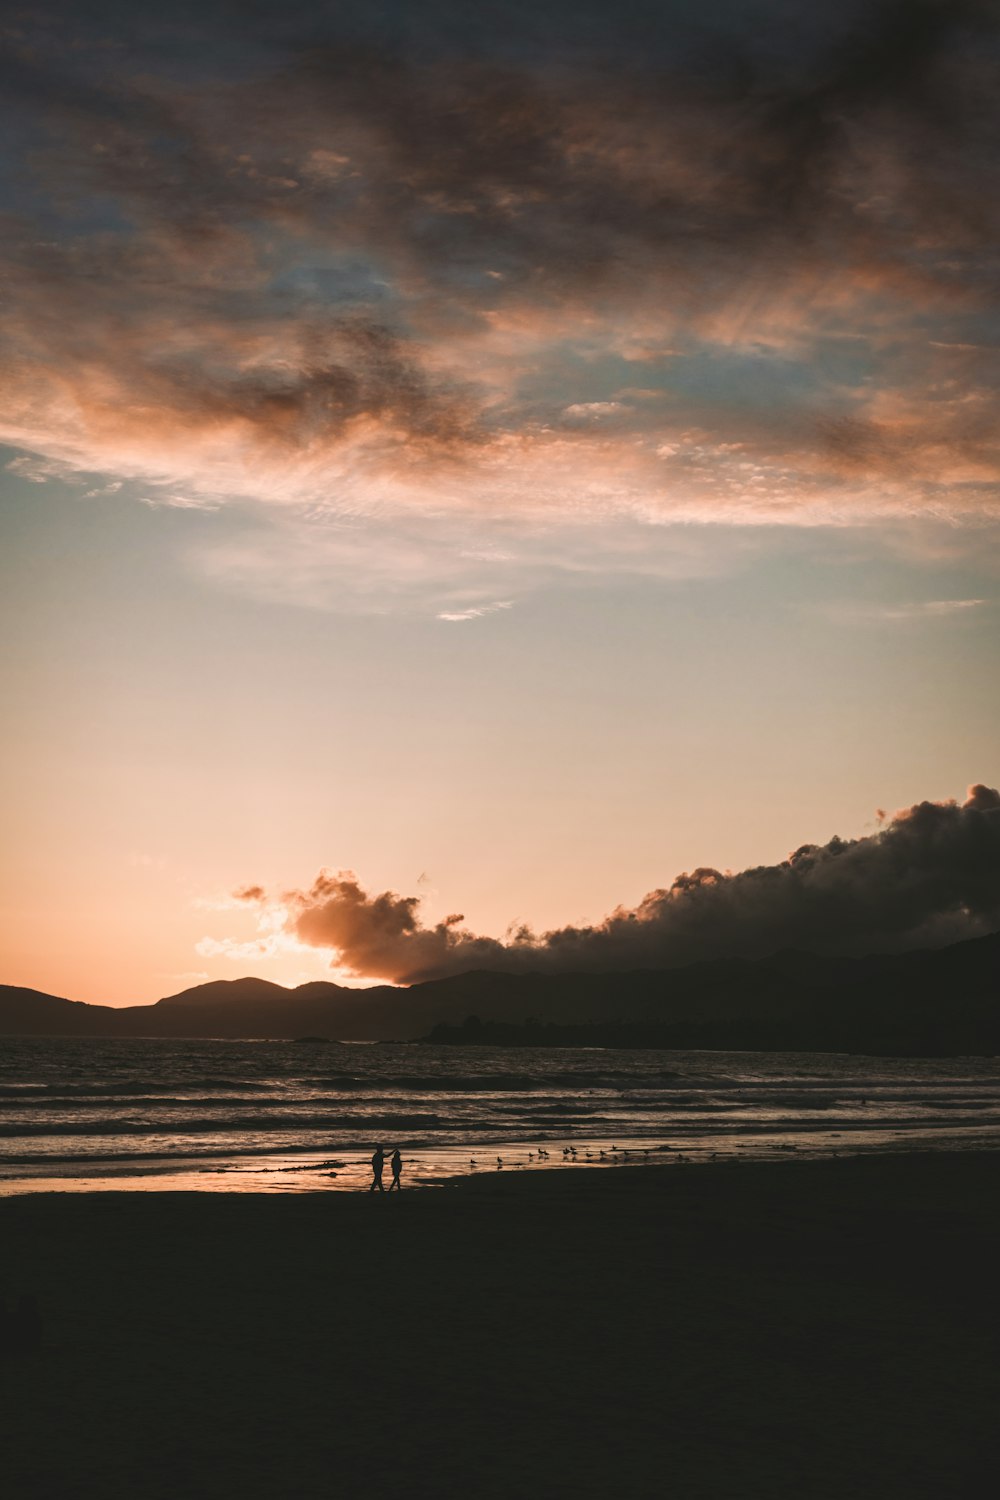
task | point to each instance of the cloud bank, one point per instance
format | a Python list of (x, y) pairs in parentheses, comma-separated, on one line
[(930, 875), (531, 264)]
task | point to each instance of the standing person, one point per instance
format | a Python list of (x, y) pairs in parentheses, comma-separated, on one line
[(396, 1163), (378, 1162)]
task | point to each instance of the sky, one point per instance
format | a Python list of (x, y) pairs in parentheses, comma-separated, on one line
[(506, 458)]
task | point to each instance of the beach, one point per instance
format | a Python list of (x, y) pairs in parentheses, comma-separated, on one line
[(265, 1116), (789, 1328)]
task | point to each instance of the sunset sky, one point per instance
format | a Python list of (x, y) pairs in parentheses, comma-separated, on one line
[(515, 454)]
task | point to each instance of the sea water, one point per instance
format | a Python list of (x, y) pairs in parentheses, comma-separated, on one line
[(79, 1114)]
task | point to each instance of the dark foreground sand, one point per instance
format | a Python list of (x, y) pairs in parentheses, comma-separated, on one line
[(809, 1330)]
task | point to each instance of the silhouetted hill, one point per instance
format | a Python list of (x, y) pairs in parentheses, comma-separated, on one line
[(928, 1001), (230, 992), (224, 1008), (26, 1012)]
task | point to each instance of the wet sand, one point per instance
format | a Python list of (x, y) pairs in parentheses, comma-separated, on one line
[(807, 1329)]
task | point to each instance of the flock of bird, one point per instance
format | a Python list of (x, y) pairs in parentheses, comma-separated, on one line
[(617, 1154), (571, 1154)]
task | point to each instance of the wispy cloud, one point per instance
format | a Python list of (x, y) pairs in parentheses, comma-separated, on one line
[(169, 501), (272, 937), (931, 609), (475, 612), (274, 945), (906, 610)]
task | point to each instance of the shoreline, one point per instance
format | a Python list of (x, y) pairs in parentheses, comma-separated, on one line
[(549, 1181), (303, 1170)]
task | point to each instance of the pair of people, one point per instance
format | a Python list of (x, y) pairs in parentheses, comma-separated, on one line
[(378, 1163)]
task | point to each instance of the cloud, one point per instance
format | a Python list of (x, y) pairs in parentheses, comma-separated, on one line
[(446, 564), (37, 470), (918, 609), (516, 268), (929, 875), (170, 501), (934, 609), (589, 410), (273, 945), (374, 935), (475, 612), (249, 893), (951, 606)]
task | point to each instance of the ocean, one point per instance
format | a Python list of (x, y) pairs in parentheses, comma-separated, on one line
[(79, 1114)]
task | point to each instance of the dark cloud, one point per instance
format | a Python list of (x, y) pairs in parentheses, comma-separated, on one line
[(374, 935), (695, 167), (930, 875), (250, 893), (558, 164), (284, 228)]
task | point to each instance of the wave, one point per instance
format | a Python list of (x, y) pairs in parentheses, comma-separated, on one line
[(499, 1083), (51, 1092), (195, 1126)]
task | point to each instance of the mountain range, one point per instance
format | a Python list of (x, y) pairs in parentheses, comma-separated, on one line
[(929, 1001)]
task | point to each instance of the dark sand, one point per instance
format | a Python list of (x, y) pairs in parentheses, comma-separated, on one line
[(821, 1329)]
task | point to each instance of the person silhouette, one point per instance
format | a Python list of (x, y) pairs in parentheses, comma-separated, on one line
[(396, 1163), (378, 1162)]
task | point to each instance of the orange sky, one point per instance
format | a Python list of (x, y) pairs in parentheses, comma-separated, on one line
[(516, 465)]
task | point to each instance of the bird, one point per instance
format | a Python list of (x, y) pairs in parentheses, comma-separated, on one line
[(499, 1162)]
